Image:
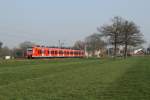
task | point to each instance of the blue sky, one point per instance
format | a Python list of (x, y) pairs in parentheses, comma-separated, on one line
[(47, 21)]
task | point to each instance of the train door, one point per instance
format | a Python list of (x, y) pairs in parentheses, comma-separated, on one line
[(56, 53), (46, 52), (61, 53), (71, 53), (68, 53), (52, 52)]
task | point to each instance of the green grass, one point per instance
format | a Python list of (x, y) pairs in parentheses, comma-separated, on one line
[(75, 79)]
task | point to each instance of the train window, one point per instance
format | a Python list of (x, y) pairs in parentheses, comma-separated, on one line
[(65, 52), (39, 51), (29, 49), (79, 53), (68, 52), (60, 52), (76, 53), (52, 52), (56, 52), (71, 53)]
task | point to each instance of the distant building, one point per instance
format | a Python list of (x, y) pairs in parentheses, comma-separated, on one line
[(7, 57), (139, 52), (97, 53)]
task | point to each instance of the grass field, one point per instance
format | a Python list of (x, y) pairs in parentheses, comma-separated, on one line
[(75, 79)]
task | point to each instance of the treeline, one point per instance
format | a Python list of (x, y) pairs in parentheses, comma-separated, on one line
[(4, 51), (18, 52), (119, 33)]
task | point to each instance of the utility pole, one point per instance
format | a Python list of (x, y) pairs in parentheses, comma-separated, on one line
[(59, 43)]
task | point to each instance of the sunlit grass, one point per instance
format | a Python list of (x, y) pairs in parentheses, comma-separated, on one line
[(75, 79)]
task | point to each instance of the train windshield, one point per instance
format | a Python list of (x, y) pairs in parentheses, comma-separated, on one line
[(29, 50)]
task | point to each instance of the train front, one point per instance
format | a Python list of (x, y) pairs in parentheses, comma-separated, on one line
[(29, 53)]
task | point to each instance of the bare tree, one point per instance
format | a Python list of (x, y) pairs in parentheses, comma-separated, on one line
[(122, 32), (113, 32), (131, 35), (23, 47), (94, 42), (148, 50), (79, 45), (5, 52), (26, 44), (1, 44)]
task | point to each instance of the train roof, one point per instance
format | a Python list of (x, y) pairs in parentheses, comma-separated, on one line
[(53, 47)]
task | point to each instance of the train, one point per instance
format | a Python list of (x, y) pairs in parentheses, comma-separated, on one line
[(53, 52)]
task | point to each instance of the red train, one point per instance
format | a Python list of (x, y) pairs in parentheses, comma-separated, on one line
[(46, 52)]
